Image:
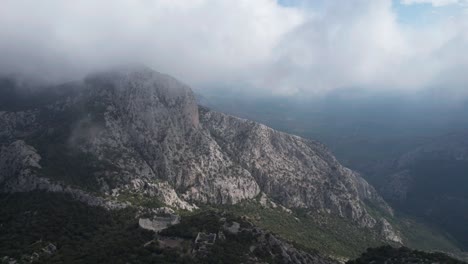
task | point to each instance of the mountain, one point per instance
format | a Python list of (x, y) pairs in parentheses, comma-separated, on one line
[(363, 128), (142, 131), (430, 182), (135, 139), (411, 146)]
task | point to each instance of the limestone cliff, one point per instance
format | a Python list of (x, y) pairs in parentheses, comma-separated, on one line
[(141, 131)]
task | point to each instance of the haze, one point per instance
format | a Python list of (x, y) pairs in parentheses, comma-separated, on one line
[(300, 48)]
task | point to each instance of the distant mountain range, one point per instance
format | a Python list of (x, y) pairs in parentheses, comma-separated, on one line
[(430, 182)]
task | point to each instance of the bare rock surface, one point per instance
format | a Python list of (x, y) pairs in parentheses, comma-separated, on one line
[(158, 223), (146, 133)]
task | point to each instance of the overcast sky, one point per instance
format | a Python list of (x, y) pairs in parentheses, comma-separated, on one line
[(284, 47)]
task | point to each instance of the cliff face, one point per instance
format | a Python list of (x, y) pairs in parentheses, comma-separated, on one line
[(154, 119), (141, 131), (296, 172)]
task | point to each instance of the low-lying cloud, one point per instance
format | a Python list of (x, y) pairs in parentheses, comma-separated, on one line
[(259, 44)]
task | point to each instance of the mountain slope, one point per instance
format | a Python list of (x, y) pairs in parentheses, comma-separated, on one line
[(142, 130), (39, 227), (297, 173), (430, 182), (135, 138)]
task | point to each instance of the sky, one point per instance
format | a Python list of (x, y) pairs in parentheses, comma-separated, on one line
[(282, 47)]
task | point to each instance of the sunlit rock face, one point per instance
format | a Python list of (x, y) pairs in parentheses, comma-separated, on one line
[(295, 172), (147, 134), (155, 119)]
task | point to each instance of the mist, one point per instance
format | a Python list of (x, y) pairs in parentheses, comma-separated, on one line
[(264, 46)]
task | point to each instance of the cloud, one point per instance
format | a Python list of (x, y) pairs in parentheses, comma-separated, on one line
[(362, 44), (261, 45), (433, 2), (197, 40)]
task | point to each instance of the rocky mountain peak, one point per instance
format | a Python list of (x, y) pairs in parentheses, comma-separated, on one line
[(139, 131), (144, 92)]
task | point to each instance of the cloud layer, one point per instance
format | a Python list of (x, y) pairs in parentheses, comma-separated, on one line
[(362, 44), (255, 44), (433, 2)]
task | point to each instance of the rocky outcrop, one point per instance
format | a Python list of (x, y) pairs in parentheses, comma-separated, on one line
[(293, 171), (148, 135), (154, 120), (161, 190), (158, 223), (19, 165), (387, 231)]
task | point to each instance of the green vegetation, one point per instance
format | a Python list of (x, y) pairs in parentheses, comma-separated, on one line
[(20, 98), (73, 168), (335, 236), (190, 225), (82, 234), (233, 249), (367, 131), (439, 196), (415, 233), (327, 234), (390, 255), (139, 199), (59, 144), (423, 237)]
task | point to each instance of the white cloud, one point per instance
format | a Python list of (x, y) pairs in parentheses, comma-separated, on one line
[(361, 44), (197, 40), (432, 2), (257, 43)]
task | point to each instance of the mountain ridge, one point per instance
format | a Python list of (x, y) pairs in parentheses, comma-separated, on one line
[(139, 131)]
